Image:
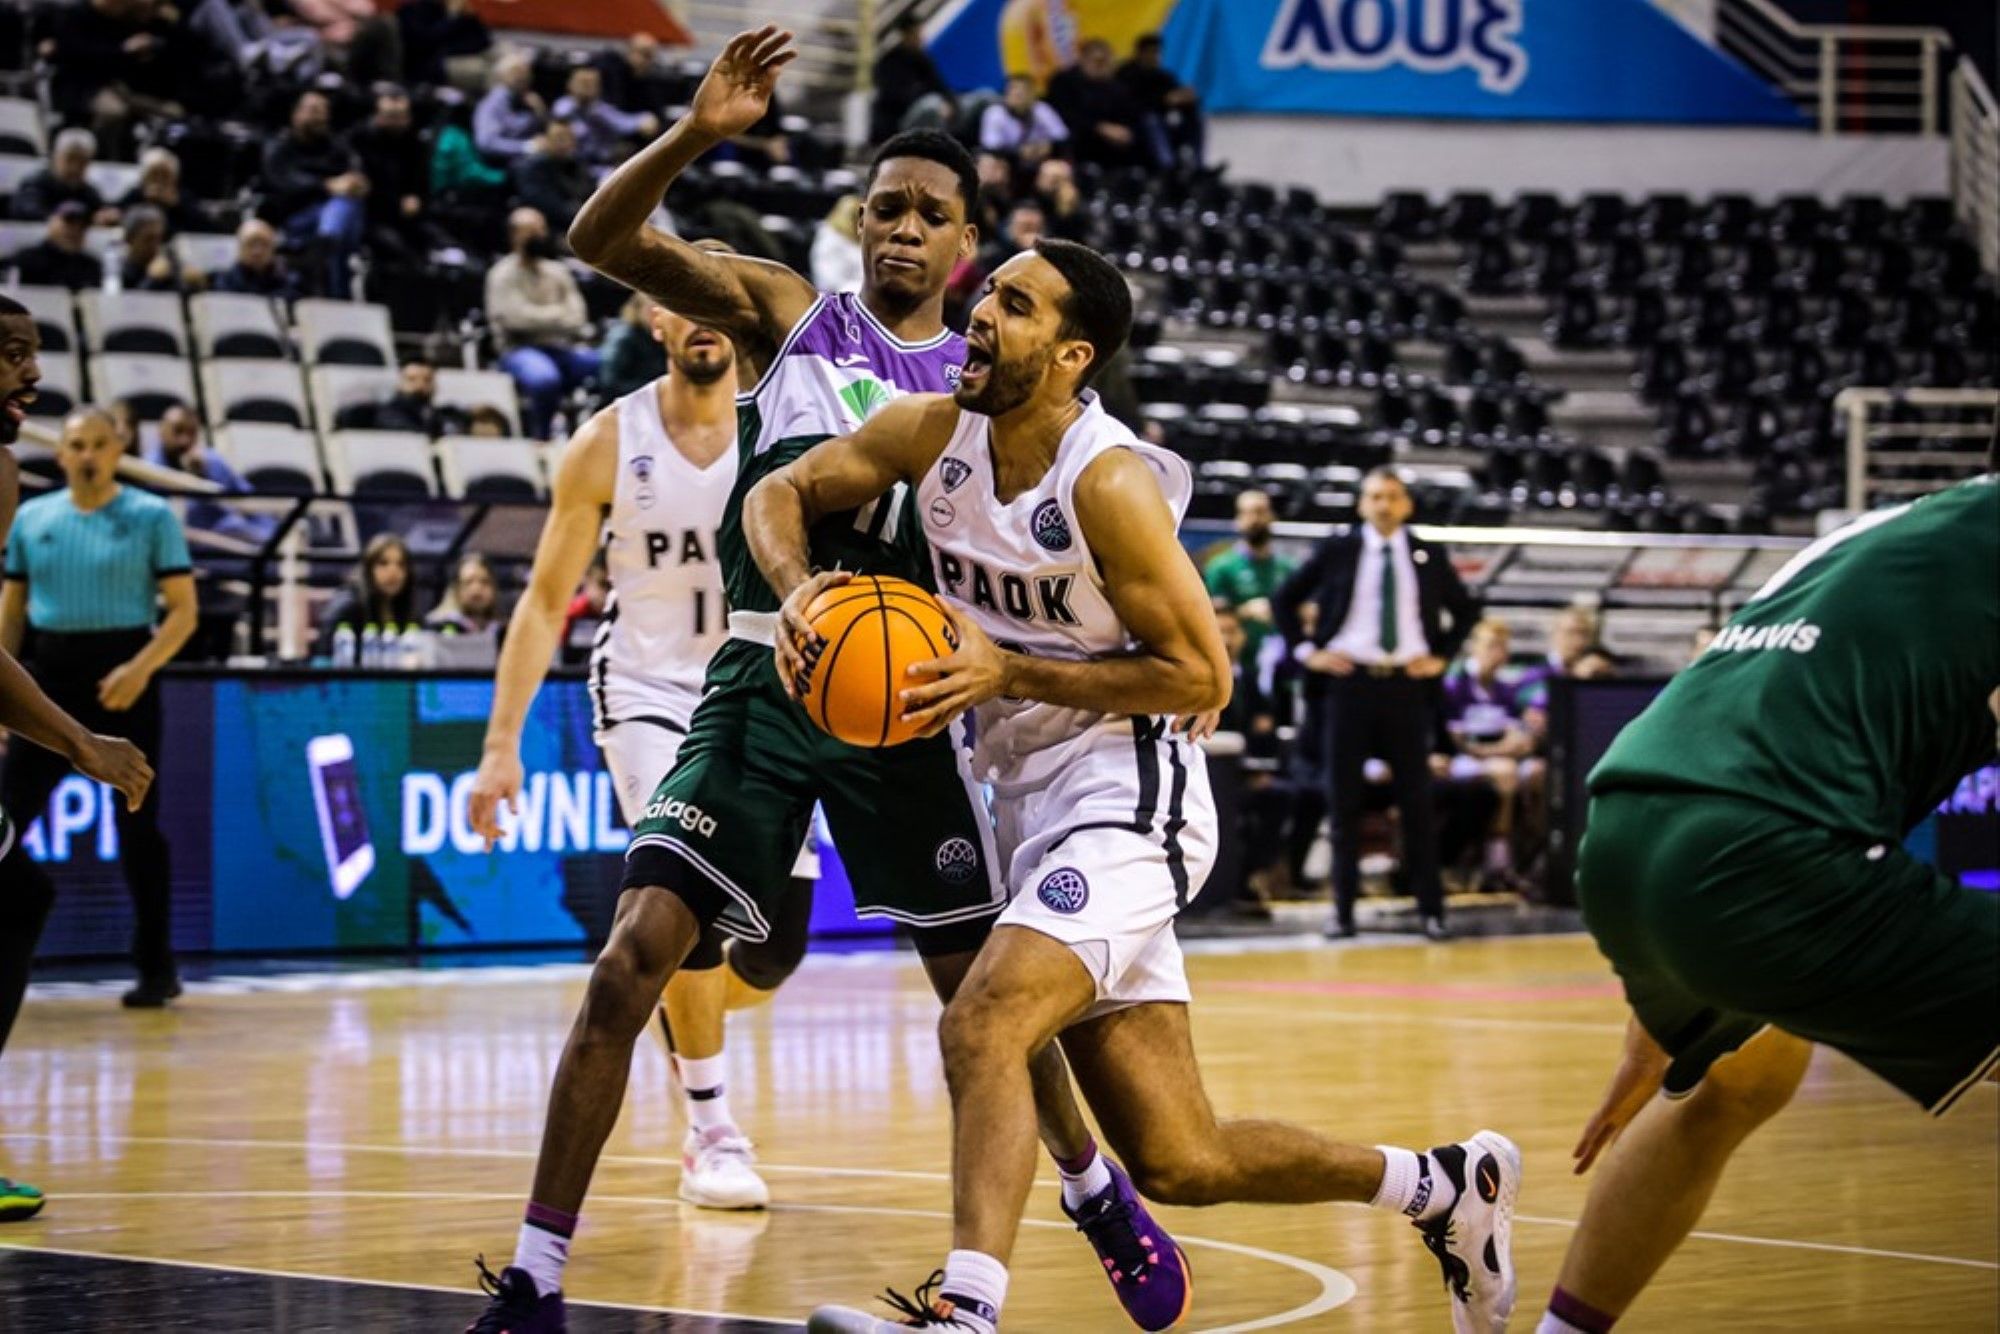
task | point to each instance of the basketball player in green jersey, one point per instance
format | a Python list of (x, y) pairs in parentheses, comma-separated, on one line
[(25, 892), (910, 821), (1743, 870)]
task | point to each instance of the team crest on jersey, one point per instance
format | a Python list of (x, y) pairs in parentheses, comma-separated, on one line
[(957, 861), (1064, 890), (1051, 528), (954, 472)]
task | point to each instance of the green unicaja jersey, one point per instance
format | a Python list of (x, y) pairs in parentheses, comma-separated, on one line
[(1853, 691)]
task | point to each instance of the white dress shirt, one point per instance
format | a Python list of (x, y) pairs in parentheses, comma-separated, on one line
[(1360, 636)]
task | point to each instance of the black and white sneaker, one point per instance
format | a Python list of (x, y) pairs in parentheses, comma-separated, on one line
[(1473, 1239)]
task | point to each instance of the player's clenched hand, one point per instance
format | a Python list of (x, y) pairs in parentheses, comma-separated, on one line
[(1641, 1071), (973, 674), (496, 785), (799, 645), (116, 761), (736, 93)]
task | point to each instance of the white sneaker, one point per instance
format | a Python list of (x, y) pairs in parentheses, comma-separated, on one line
[(929, 1309), (717, 1171), (1473, 1240)]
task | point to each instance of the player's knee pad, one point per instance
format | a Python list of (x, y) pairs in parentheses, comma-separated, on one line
[(765, 964)]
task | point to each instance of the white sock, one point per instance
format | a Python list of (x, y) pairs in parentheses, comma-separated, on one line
[(543, 1254), (1413, 1185), (706, 1095), (1555, 1324), (1086, 1185), (978, 1284)]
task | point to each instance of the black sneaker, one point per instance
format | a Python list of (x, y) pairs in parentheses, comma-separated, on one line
[(517, 1308), (152, 993)]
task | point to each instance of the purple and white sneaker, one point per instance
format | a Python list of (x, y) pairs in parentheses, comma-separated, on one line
[(517, 1308), (1147, 1268)]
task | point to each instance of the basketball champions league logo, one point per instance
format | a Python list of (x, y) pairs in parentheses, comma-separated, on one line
[(1051, 528), (957, 861), (1428, 36)]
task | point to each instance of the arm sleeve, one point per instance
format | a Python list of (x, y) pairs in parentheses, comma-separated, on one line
[(17, 564), (170, 548), (1050, 122)]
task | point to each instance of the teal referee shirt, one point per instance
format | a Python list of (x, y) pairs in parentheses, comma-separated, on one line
[(95, 570)]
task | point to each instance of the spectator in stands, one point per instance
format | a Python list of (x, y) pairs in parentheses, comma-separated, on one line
[(836, 247), (314, 187), (1595, 663), (258, 270), (905, 74), (1249, 574), (585, 612), (1391, 613), (1173, 108), (64, 180), (1105, 123), (512, 113), (379, 593), (413, 407), (1495, 716), (487, 423), (458, 171), (149, 266), (1021, 126), (179, 446), (633, 79), (538, 318), (1062, 203), (444, 41), (603, 132), (87, 569), (632, 357), (113, 62), (1574, 631), (389, 153), (1025, 226), (471, 606), (367, 46), (160, 186), (550, 180), (61, 259)]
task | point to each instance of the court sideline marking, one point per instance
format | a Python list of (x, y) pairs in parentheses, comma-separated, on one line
[(801, 1169), (1336, 1288)]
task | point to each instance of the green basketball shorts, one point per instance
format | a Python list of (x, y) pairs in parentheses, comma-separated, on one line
[(1722, 915), (723, 827)]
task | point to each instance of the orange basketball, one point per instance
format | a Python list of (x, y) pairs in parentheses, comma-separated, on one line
[(875, 628)]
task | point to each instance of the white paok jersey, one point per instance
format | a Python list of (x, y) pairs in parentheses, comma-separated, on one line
[(665, 617), (1025, 574)]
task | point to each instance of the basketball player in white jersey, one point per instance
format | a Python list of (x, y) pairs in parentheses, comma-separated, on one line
[(648, 477), (1053, 530)]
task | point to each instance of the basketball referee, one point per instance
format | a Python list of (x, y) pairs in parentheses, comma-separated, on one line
[(86, 568)]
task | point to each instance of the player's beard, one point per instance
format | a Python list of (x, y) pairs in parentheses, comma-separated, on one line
[(703, 372), (1008, 385)]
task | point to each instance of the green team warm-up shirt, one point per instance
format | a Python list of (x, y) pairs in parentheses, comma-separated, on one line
[(1852, 691)]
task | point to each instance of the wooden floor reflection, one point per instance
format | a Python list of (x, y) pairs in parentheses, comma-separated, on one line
[(385, 1133)]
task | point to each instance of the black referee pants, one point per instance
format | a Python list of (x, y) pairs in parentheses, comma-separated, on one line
[(1393, 718), (68, 667)]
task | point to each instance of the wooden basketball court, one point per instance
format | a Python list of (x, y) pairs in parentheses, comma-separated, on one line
[(379, 1129)]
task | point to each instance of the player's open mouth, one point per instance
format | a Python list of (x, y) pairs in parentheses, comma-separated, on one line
[(977, 362)]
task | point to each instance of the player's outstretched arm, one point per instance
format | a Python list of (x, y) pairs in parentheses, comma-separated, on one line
[(580, 491), (755, 302), (1180, 667), (898, 444)]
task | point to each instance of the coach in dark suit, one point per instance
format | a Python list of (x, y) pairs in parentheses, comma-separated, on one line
[(1387, 614)]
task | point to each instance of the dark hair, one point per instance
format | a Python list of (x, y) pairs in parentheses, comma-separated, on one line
[(1386, 472), (1151, 41), (932, 146), (398, 610), (419, 359), (9, 306), (1098, 306)]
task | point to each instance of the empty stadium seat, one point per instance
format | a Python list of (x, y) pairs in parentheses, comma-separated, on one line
[(231, 324), (345, 333), (478, 468), (244, 390), (54, 310), (113, 180), (338, 388), (61, 385), (381, 464), (22, 130), (273, 458), (15, 167), (133, 322), (466, 389), (153, 383)]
